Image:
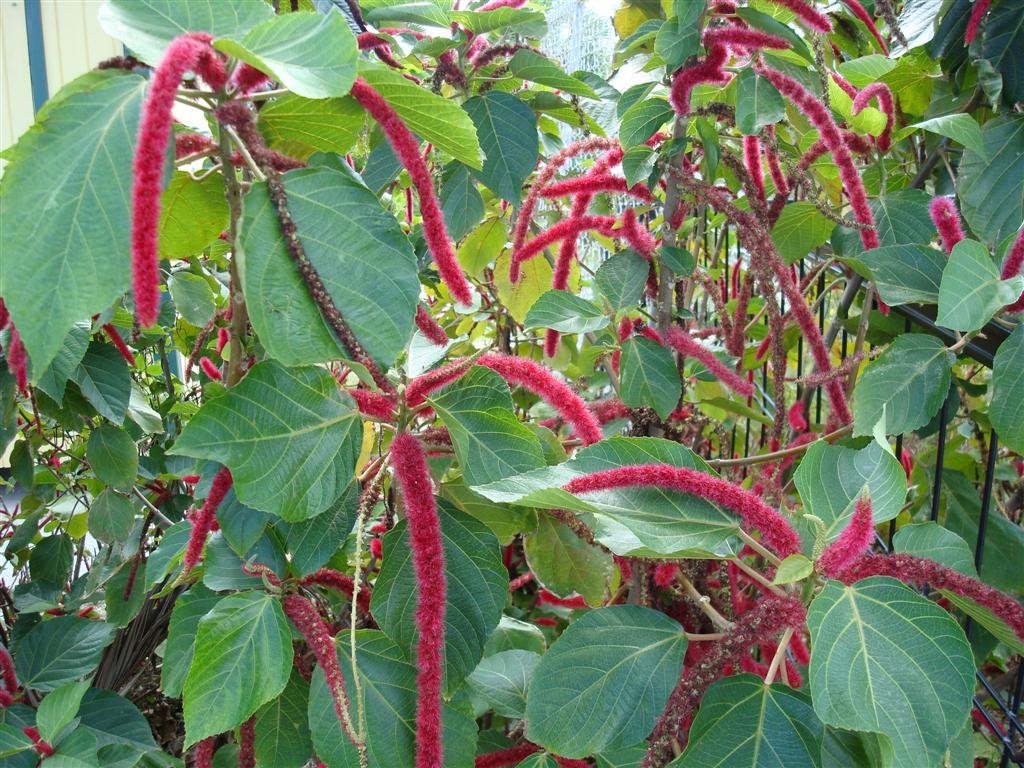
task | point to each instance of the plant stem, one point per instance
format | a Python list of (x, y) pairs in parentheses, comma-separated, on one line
[(780, 654), (773, 456), (756, 576), (755, 545), (704, 603), (239, 315)]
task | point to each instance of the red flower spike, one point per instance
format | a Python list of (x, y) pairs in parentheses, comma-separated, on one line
[(210, 368), (665, 574), (17, 360), (881, 92), (186, 144), (373, 404), (740, 38), (542, 382), (247, 79), (544, 597), (563, 229), (406, 148), (978, 11), (775, 529), (636, 234), (203, 522), (520, 581), (5, 316), (44, 749), (495, 4), (341, 582), (812, 18), (10, 679), (377, 549), (708, 70), (413, 477), (797, 416), (609, 410), (752, 160), (920, 572), (428, 326), (907, 462), (118, 342), (821, 118), (858, 10), (844, 84), (247, 744), (1012, 267), (684, 345), (223, 337), (431, 381), (853, 542), (947, 221), (591, 184), (506, 757), (154, 131)]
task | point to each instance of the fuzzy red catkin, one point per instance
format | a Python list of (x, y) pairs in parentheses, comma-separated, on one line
[(406, 148), (707, 70), (246, 79), (431, 381), (546, 597), (202, 755), (17, 360), (223, 337), (1012, 267), (665, 574), (429, 327), (332, 579), (812, 18), (542, 382), (203, 522), (210, 368), (743, 39), (978, 11), (947, 221), (853, 542), (636, 234), (10, 678), (5, 316), (563, 229), (373, 404), (775, 529), (247, 744), (920, 573), (797, 416), (881, 92), (118, 342), (154, 132), (752, 160), (506, 757), (592, 184), (495, 4), (858, 10), (413, 477), (684, 345), (188, 143)]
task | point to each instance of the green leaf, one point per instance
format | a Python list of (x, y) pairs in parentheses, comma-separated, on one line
[(295, 440), (242, 526), (54, 380), (906, 385), (51, 559), (193, 213), (971, 291), (429, 13), (565, 312), (991, 197), (461, 202), (885, 659), (388, 682), (564, 563), (113, 720), (987, 619), (13, 742), (532, 66), (501, 681), (799, 230), (1007, 409), (245, 661), (75, 165), (960, 127), (743, 722), (223, 568), (193, 297), (679, 38), (642, 120), (58, 709), (649, 378), (111, 517), (524, 22), (477, 588), (366, 262), (489, 441), (113, 456), (773, 26), (299, 126), (605, 681), (794, 568), (104, 381), (901, 218), (507, 129), (638, 163), (311, 54), (904, 274), (148, 26), (119, 610), (282, 727), (440, 121), (830, 479), (515, 634), (621, 278), (59, 651), (189, 608), (312, 542), (758, 104), (1003, 46), (936, 543)]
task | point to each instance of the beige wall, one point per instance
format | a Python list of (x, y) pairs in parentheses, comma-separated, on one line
[(74, 43)]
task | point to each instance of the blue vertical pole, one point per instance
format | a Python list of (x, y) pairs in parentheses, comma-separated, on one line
[(36, 53)]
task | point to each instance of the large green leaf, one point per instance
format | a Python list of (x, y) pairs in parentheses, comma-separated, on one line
[(189, 608), (830, 479), (388, 682), (282, 727), (971, 291), (936, 543), (1003, 46), (113, 720), (311, 54), (54, 380), (299, 126), (991, 195), (364, 259), (147, 26), (643, 119), (113, 456), (477, 587), (59, 651), (440, 121), (192, 214), (507, 128), (312, 542), (758, 104), (743, 723), (604, 682), (565, 564), (524, 22), (906, 385), (904, 274), (245, 660), (490, 442), (1007, 410), (886, 659), (59, 708), (501, 681), (800, 229), (648, 376), (192, 295), (679, 38), (960, 127), (461, 201), (105, 381), (901, 219), (565, 312), (622, 277), (64, 199), (529, 65), (289, 436)]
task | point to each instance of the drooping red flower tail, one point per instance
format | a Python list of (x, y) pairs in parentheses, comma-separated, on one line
[(821, 118), (978, 11), (17, 360), (247, 744), (204, 519), (947, 221), (542, 382), (118, 342), (184, 53), (844, 84), (853, 542), (921, 573), (223, 337), (595, 183), (374, 404), (429, 327), (188, 143), (775, 529), (684, 345), (10, 678), (707, 70), (431, 381), (406, 148), (332, 579), (752, 161), (413, 476), (563, 229), (43, 748), (314, 630), (858, 10), (202, 754), (797, 416), (5, 316), (665, 574), (210, 368), (637, 235), (881, 92), (1012, 267), (609, 410), (806, 13), (506, 757), (246, 79), (742, 39)]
